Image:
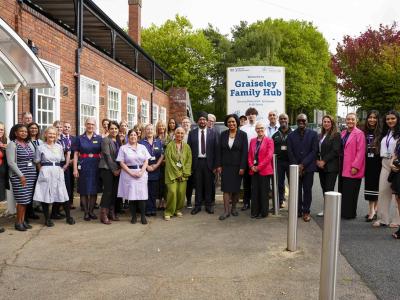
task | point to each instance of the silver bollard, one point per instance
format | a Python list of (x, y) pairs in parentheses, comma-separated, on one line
[(330, 246), (293, 207), (275, 185)]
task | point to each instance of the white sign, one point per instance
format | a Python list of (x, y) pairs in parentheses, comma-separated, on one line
[(261, 87)]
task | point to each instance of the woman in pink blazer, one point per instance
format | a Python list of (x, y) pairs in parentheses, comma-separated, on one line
[(353, 167), (260, 166)]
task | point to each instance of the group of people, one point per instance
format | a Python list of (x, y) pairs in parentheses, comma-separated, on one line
[(136, 167)]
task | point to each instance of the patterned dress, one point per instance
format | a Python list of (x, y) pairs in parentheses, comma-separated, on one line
[(25, 156)]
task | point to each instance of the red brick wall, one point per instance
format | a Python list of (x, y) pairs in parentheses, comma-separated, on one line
[(57, 46)]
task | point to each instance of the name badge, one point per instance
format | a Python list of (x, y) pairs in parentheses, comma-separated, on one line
[(255, 162), (388, 155), (79, 167), (371, 155), (95, 142), (156, 148), (179, 165), (284, 148), (29, 164), (153, 158)]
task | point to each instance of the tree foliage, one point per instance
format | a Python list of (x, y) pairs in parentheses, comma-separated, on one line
[(186, 54), (368, 67)]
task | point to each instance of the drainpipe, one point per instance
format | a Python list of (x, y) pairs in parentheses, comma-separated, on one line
[(78, 51)]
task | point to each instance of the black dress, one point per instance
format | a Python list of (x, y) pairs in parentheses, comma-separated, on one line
[(373, 166), (232, 160)]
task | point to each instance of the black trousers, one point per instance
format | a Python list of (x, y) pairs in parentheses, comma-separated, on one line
[(328, 181), (350, 188), (246, 187), (259, 195), (153, 188), (110, 188), (305, 192), (69, 183), (283, 170), (189, 189), (203, 184)]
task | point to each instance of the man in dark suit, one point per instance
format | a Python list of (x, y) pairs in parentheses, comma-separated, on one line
[(302, 151), (203, 142)]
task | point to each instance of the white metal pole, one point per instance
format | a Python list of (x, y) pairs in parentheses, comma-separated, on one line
[(275, 185), (330, 246), (293, 207)]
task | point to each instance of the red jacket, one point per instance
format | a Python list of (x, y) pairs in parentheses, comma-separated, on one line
[(265, 154)]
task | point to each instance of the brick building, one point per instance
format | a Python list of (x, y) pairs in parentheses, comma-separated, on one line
[(97, 68)]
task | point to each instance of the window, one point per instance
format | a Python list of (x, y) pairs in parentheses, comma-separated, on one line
[(89, 101), (144, 111), (155, 114), (114, 104), (47, 100), (163, 114), (132, 110)]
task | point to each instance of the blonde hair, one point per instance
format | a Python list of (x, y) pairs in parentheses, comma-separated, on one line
[(47, 130)]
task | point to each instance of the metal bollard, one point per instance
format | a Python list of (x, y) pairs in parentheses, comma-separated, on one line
[(293, 207), (275, 185), (330, 246)]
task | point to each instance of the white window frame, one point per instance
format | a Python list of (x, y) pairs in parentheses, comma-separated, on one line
[(57, 87), (14, 112), (133, 122), (156, 114), (142, 116), (96, 106), (163, 114), (109, 101)]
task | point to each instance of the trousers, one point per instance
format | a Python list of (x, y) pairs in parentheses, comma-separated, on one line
[(175, 197)]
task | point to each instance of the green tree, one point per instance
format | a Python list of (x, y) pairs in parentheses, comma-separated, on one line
[(368, 67), (187, 55)]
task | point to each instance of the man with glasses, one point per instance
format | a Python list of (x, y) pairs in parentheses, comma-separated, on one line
[(211, 119), (302, 151), (281, 150), (273, 126)]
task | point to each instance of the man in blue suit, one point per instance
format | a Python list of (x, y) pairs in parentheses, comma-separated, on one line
[(302, 151), (203, 142)]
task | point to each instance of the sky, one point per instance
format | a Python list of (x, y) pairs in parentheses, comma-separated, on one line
[(334, 19)]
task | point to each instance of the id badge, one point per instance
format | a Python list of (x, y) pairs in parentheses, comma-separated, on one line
[(153, 158), (283, 148), (79, 167), (371, 155), (30, 164), (179, 165), (255, 162), (95, 142)]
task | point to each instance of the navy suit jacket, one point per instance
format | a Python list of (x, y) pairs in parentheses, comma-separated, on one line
[(212, 147), (303, 149)]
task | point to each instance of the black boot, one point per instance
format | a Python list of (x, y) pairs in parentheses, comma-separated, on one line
[(132, 208), (142, 206), (70, 220), (47, 221)]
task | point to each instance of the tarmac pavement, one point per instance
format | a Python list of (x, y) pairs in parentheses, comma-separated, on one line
[(194, 257)]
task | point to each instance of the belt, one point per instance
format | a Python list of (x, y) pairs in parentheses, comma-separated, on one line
[(50, 164), (90, 155), (135, 167), (202, 158)]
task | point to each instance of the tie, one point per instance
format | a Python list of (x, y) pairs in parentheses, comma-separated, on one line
[(203, 143)]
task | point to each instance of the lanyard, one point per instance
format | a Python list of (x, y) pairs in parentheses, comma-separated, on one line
[(388, 138), (345, 138), (258, 146)]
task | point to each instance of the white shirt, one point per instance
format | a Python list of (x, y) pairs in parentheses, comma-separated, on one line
[(388, 145), (251, 132), (205, 142), (230, 142)]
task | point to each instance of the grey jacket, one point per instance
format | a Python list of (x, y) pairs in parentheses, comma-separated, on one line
[(11, 154), (108, 155)]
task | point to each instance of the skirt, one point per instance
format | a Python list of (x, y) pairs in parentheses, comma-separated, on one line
[(230, 179), (24, 195), (50, 186), (373, 166)]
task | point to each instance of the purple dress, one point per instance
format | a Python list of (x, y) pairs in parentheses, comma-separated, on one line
[(132, 188)]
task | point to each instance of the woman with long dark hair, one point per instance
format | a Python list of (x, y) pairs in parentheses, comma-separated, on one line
[(328, 155), (373, 162), (390, 136), (171, 126)]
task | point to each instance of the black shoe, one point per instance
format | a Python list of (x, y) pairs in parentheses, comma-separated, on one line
[(245, 207), (56, 216), (133, 220), (148, 214), (20, 227), (234, 213), (2, 229), (92, 216), (70, 221), (49, 223), (223, 217), (33, 216), (143, 220), (86, 217), (26, 225), (210, 210), (195, 210)]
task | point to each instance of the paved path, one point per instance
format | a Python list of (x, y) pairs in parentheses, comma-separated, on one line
[(195, 257), (372, 252)]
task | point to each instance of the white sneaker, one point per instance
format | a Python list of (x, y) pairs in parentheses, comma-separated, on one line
[(321, 214)]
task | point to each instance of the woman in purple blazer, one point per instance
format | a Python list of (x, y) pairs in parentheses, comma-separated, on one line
[(353, 167)]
